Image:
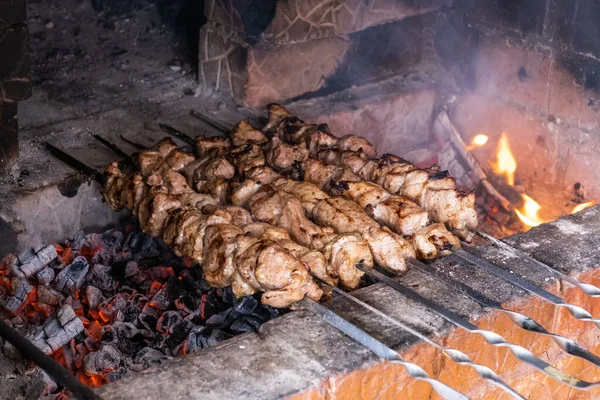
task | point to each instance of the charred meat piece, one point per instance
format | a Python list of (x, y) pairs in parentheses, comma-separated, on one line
[(358, 144), (279, 208), (276, 114), (309, 194), (314, 260), (245, 158), (433, 240), (282, 156), (344, 216), (267, 266), (214, 145), (244, 133), (396, 212)]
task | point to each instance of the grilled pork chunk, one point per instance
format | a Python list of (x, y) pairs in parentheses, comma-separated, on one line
[(244, 133)]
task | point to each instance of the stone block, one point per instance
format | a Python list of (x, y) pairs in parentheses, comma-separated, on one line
[(12, 12), (297, 21), (258, 75)]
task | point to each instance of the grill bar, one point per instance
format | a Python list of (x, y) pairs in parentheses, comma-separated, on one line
[(524, 322), (491, 337), (576, 311), (379, 348), (588, 289), (455, 355)]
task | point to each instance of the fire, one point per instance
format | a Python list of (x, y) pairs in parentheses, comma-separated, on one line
[(478, 141), (505, 161), (582, 206), (529, 215)]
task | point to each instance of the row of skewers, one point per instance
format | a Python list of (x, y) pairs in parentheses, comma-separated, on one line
[(263, 210)]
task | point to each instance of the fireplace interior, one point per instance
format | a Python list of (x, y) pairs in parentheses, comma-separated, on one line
[(501, 94)]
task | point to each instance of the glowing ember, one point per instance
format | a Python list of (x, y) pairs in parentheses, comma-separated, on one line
[(583, 206), (505, 161), (478, 141), (530, 210)]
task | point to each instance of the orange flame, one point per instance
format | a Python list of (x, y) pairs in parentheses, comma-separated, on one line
[(505, 161), (478, 141), (582, 206), (530, 210)]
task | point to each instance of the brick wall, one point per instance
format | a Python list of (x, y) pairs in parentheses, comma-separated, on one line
[(14, 70)]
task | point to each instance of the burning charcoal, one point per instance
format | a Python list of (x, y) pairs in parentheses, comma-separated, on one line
[(30, 262), (72, 277), (78, 240), (202, 337), (113, 239), (101, 277), (26, 256), (45, 276), (128, 314), (94, 296), (49, 296), (58, 331), (106, 359), (20, 291), (159, 300), (244, 306), (132, 269), (220, 319), (245, 324), (167, 321), (125, 329), (148, 317), (112, 305), (149, 356)]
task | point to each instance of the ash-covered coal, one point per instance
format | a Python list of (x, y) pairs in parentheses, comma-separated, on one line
[(107, 304)]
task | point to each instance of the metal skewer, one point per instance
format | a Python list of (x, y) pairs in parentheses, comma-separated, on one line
[(588, 289), (490, 337), (455, 355), (210, 122), (176, 132), (111, 146), (330, 317), (379, 348), (522, 321), (576, 311), (75, 163)]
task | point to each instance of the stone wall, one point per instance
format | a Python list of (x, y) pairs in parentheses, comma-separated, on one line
[(532, 73), (280, 50), (14, 70)]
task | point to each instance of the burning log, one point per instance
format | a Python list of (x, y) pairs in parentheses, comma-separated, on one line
[(445, 130)]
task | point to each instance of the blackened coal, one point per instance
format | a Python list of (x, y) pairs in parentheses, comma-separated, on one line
[(139, 304)]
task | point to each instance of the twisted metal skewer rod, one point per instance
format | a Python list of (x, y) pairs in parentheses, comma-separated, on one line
[(490, 337), (522, 321), (455, 355), (577, 312), (329, 316), (588, 289), (379, 348)]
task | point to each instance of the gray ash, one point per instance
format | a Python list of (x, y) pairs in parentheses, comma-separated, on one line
[(138, 303)]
